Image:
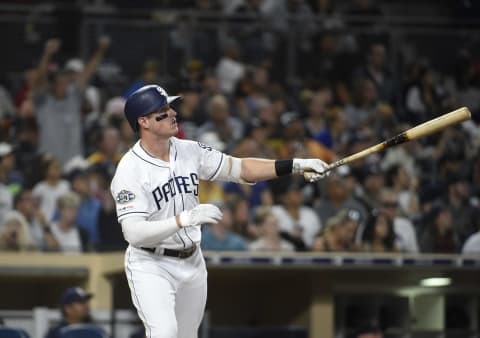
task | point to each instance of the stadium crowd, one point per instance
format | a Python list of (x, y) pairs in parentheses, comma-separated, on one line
[(63, 134)]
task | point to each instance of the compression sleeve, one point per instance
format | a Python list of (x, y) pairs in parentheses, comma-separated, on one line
[(140, 232)]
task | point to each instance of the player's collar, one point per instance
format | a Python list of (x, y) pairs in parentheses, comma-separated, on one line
[(139, 151)]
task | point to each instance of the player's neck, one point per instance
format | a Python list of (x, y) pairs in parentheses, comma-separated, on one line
[(159, 148)]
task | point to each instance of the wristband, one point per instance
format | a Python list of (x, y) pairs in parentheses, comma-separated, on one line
[(283, 167)]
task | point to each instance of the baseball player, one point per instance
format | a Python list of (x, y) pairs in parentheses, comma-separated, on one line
[(156, 192)]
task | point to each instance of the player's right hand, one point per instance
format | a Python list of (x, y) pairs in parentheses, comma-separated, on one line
[(202, 213)]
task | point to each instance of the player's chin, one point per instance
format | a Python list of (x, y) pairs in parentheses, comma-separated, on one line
[(175, 129)]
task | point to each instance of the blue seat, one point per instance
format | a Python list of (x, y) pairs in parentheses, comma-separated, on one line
[(10, 332), (82, 331)]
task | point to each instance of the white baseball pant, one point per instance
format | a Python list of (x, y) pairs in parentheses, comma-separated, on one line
[(169, 293)]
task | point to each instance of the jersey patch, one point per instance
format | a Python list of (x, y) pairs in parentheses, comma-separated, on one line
[(125, 196)]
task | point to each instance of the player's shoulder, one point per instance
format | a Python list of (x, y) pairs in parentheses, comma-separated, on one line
[(128, 163), (192, 147), (179, 142)]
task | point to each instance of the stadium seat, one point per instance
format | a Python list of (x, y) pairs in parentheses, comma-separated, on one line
[(10, 332), (82, 331)]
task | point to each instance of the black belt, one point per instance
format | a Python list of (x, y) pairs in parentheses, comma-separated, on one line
[(185, 253)]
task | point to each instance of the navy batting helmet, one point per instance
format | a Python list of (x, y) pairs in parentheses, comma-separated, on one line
[(144, 101)]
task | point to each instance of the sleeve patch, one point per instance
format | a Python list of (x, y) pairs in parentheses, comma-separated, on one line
[(125, 196)]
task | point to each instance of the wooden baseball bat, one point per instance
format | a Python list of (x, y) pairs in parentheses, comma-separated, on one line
[(424, 129)]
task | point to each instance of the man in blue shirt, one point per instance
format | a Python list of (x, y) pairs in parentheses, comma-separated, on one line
[(220, 237)]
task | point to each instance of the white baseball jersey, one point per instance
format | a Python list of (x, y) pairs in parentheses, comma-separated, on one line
[(147, 186)]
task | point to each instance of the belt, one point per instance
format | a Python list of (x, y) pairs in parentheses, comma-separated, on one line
[(185, 253)]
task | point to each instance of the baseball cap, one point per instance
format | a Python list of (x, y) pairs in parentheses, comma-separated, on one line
[(5, 149), (75, 295)]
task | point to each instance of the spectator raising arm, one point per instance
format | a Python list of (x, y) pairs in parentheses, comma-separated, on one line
[(92, 65), (40, 78)]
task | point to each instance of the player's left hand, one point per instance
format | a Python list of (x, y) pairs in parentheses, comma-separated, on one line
[(314, 166)]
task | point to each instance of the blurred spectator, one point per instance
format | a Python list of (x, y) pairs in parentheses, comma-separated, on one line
[(462, 207), (114, 117), (91, 100), (107, 153), (70, 238), (241, 214), (7, 109), (339, 193), (466, 79), (372, 182), (451, 152), (211, 192), (336, 131), (405, 186), (58, 107), (150, 75), (27, 206), (188, 109), (405, 156), (315, 123), (220, 237), (110, 234), (269, 236), (89, 206), (75, 309), (298, 223), (28, 158), (15, 234), (424, 99), (50, 188), (6, 195), (298, 144), (338, 233), (404, 231), (379, 234), (13, 177), (375, 69), (258, 134), (438, 235), (24, 93), (228, 128), (366, 110), (229, 69)]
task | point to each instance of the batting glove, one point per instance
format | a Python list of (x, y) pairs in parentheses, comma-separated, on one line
[(202, 213), (315, 167)]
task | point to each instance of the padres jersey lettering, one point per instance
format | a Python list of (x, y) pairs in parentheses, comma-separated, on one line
[(164, 189)]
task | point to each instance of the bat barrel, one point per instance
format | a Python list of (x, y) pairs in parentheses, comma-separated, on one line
[(439, 123)]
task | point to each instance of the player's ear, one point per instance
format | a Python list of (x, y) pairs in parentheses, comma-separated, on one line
[(142, 122)]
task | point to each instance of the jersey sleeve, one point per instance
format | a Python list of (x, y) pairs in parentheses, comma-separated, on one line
[(211, 161), (129, 195)]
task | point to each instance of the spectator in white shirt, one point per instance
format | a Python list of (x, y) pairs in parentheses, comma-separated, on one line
[(298, 223), (50, 188), (70, 238), (402, 226), (269, 239)]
